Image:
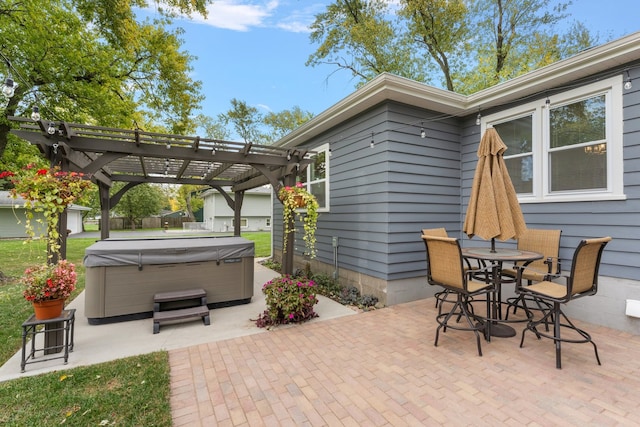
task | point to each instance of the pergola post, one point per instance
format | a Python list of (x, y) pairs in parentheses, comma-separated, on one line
[(103, 194), (237, 211)]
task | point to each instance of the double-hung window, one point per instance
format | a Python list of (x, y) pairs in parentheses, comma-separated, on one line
[(317, 176), (568, 148)]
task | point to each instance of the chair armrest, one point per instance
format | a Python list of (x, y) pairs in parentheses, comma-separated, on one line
[(520, 269), (481, 264), (551, 261), (485, 272)]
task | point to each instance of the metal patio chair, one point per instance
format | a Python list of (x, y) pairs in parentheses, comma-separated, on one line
[(582, 281), (546, 242), (441, 296), (445, 267)]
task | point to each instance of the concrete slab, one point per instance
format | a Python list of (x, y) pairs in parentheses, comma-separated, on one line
[(102, 343)]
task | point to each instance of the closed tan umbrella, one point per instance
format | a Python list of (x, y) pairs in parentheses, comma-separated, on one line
[(493, 211)]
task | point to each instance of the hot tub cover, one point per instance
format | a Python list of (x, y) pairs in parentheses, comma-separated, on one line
[(166, 251)]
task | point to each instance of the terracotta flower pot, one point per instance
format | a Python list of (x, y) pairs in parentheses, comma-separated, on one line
[(48, 309)]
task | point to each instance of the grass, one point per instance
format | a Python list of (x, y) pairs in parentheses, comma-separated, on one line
[(132, 391)]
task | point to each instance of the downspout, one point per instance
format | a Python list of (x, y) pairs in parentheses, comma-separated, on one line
[(334, 243)]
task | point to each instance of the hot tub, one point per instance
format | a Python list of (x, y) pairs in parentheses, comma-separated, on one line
[(122, 275)]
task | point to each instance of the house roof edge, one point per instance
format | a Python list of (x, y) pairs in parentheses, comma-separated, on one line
[(389, 87)]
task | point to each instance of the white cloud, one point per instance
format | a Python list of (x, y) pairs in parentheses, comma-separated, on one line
[(238, 15), (298, 20)]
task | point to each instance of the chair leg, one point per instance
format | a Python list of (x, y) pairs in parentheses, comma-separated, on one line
[(533, 324), (443, 323), (461, 309), (555, 316), (556, 334), (585, 335)]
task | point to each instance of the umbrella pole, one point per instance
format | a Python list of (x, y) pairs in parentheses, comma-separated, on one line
[(493, 245)]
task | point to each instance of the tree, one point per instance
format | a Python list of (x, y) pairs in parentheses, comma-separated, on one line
[(284, 122), (442, 28), (100, 65), (354, 35), (187, 201), (213, 128), (139, 202), (244, 119), (517, 36), (469, 44)]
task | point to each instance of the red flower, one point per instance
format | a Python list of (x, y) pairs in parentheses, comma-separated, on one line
[(42, 171)]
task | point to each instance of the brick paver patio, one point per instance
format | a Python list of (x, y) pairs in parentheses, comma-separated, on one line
[(381, 369)]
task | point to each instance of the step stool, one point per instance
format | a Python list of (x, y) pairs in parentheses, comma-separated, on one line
[(193, 312)]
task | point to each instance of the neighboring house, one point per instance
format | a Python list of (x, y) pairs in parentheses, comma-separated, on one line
[(13, 216), (255, 214), (573, 132)]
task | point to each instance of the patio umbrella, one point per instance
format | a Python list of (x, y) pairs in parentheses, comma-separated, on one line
[(493, 211)]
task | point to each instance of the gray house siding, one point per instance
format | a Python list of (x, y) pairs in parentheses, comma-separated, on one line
[(381, 197)]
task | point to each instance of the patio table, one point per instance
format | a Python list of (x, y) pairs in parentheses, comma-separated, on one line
[(496, 257)]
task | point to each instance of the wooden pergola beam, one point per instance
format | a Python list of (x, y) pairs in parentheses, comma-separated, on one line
[(135, 157)]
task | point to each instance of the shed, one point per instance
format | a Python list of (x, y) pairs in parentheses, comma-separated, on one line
[(13, 216)]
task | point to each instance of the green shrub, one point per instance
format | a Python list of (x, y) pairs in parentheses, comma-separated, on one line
[(289, 300), (327, 285), (271, 264), (345, 295)]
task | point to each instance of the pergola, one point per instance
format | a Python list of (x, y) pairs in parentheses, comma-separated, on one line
[(135, 157)]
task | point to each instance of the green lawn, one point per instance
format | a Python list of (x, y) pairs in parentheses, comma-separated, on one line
[(131, 391)]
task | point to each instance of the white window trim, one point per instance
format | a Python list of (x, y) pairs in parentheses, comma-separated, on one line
[(327, 155), (540, 133)]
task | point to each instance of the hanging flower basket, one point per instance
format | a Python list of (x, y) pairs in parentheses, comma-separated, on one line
[(299, 204), (48, 191)]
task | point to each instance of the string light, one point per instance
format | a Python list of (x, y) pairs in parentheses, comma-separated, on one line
[(35, 113), (372, 144), (9, 88), (547, 103), (423, 133), (478, 119), (51, 129), (627, 84)]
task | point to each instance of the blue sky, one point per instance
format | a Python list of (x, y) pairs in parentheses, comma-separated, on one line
[(256, 51)]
